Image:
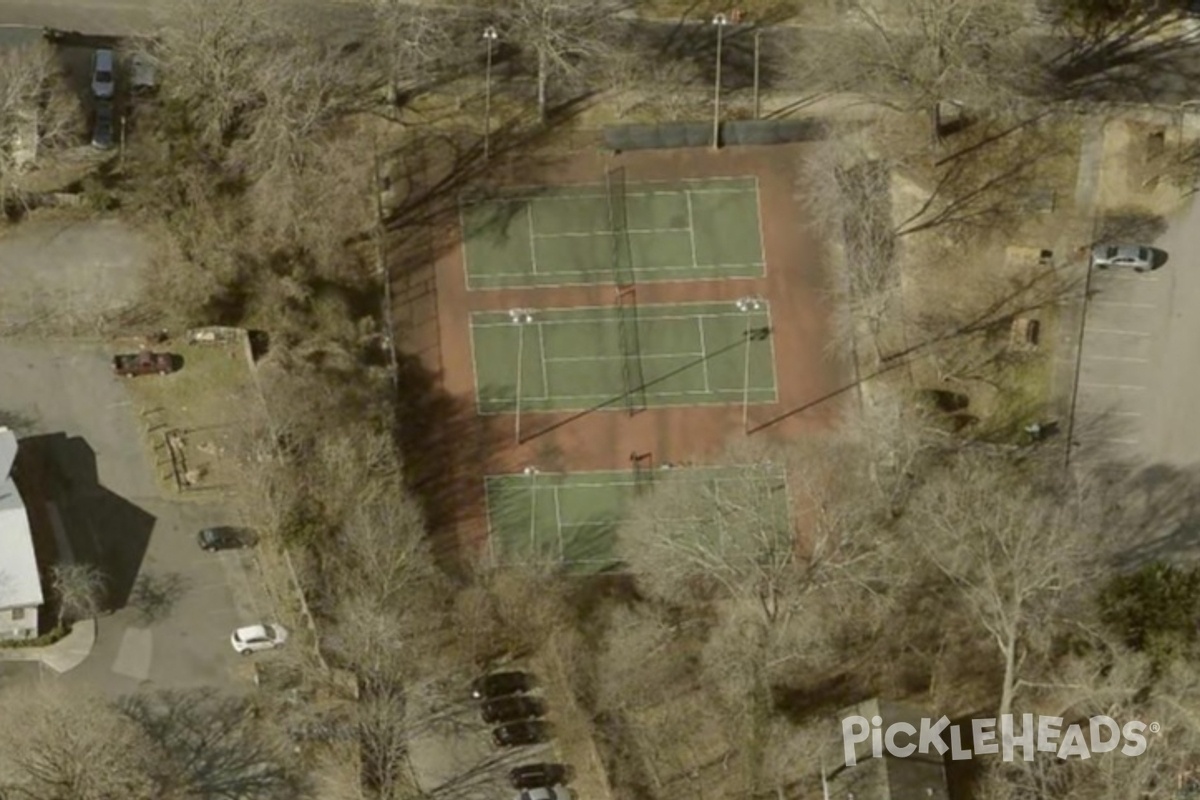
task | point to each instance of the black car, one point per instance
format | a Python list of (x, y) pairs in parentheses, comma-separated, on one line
[(102, 131), (535, 776), (501, 684), (510, 709), (224, 538), (515, 734)]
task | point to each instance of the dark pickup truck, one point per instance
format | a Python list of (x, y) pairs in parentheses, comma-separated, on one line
[(143, 363)]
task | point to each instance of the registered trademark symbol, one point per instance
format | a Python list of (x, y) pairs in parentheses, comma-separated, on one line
[(1155, 727)]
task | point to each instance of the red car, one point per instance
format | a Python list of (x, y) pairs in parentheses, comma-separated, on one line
[(144, 363)]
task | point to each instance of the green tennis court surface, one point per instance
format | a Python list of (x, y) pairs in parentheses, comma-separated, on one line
[(573, 518), (573, 359), (683, 230)]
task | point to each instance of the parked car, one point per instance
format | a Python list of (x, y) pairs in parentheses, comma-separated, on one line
[(501, 684), (516, 734), (1131, 256), (556, 792), (143, 76), (144, 363), (535, 776), (225, 538), (104, 81), (254, 638), (510, 709), (102, 129)]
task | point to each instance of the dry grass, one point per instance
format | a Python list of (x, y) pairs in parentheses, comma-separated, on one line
[(211, 399)]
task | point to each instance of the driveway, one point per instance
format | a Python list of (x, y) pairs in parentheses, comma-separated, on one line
[(175, 605)]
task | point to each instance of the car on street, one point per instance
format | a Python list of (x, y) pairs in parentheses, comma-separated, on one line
[(253, 638), (102, 127), (104, 81), (517, 734), (556, 792), (535, 776), (225, 538), (511, 709), (501, 684), (1137, 257)]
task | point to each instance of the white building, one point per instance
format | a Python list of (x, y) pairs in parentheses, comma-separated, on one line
[(20, 584)]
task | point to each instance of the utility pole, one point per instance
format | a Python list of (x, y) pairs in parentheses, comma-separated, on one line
[(489, 37), (720, 20)]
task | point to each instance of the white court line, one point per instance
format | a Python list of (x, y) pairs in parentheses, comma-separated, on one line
[(542, 347), (1122, 304), (1116, 332), (665, 268), (1128, 359), (583, 234), (691, 227), (585, 318), (602, 357), (532, 241), (704, 358), (1128, 387)]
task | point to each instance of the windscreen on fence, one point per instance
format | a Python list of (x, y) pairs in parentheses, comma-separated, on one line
[(670, 135)]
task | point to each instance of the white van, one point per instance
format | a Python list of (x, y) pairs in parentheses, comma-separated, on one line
[(104, 80)]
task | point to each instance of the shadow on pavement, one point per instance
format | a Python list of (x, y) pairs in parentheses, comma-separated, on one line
[(100, 527)]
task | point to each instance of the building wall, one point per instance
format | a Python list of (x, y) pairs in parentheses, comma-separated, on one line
[(18, 623)]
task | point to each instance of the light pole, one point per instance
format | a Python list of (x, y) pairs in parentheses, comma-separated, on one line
[(532, 472), (720, 20), (489, 37), (520, 317), (747, 305)]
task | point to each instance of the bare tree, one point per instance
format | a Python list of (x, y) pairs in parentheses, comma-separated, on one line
[(37, 110), (413, 43), (563, 35), (1014, 553), (71, 745), (912, 54), (79, 590)]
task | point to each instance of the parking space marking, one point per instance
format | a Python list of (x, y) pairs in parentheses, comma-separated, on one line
[(1129, 359), (1116, 332), (1122, 386)]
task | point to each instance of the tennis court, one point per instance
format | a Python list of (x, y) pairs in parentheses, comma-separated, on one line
[(614, 357), (572, 518), (614, 233)]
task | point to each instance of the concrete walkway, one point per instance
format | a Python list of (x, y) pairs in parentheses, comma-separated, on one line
[(64, 655)]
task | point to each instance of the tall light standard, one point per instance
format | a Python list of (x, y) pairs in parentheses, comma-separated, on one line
[(532, 472), (489, 37), (520, 317), (720, 20), (747, 305)]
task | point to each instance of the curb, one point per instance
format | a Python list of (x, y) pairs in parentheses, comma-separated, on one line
[(62, 656)]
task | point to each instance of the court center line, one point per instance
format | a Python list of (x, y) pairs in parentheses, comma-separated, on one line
[(584, 234), (704, 358), (543, 358), (603, 357), (719, 271), (691, 227), (532, 240)]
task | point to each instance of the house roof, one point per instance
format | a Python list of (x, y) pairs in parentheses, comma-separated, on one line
[(20, 585)]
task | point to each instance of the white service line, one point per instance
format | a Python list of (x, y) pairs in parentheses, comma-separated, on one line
[(1122, 386)]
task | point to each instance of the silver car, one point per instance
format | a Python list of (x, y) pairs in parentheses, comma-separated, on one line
[(1130, 256)]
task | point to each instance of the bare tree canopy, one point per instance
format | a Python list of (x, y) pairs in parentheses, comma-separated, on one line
[(79, 589)]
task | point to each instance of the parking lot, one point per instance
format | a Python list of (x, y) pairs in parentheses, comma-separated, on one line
[(176, 605), (1120, 366)]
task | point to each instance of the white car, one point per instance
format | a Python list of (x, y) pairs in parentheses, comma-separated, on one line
[(558, 792), (253, 638), (104, 80)]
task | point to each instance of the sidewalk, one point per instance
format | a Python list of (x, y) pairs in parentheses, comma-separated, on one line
[(64, 655)]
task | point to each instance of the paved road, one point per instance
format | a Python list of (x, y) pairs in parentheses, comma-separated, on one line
[(178, 604)]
